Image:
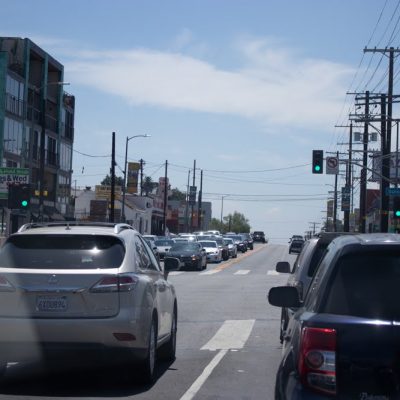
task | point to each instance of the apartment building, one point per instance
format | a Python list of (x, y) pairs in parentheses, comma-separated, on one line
[(36, 129)]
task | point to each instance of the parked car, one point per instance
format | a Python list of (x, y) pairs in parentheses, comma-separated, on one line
[(259, 236), (296, 246), (232, 248), (303, 270), (238, 240), (296, 237), (94, 289), (163, 246), (190, 254), (248, 239), (214, 252), (344, 339)]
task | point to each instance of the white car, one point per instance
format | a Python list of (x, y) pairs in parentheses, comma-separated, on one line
[(214, 252), (94, 291), (163, 247)]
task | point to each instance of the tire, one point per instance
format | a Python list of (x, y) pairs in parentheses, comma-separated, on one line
[(148, 365), (168, 351), (199, 265), (205, 265), (235, 255)]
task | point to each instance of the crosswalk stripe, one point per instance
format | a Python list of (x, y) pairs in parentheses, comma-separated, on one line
[(242, 272), (212, 271)]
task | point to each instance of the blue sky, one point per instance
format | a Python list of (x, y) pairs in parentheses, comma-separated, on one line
[(245, 88)]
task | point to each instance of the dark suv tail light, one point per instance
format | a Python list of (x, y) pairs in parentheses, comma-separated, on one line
[(317, 361), (115, 283)]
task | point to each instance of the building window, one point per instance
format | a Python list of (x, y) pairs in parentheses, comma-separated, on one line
[(51, 151), (65, 157), (12, 136), (15, 96)]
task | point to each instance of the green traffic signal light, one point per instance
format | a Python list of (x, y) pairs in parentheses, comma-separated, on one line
[(317, 168), (397, 213), (24, 203)]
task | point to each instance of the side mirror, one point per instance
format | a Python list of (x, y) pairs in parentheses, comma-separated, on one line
[(283, 267), (284, 296), (171, 264)]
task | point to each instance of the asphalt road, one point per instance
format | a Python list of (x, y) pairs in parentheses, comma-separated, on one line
[(227, 348)]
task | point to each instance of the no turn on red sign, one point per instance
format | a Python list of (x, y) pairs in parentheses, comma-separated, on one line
[(332, 165)]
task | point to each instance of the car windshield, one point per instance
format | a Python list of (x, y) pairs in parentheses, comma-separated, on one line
[(366, 285), (208, 243), (62, 252), (164, 242), (228, 241), (184, 246)]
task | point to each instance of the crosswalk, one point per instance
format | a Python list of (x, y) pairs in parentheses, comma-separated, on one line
[(216, 271)]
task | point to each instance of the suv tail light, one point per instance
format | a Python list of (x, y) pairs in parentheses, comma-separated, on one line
[(317, 361), (5, 286), (115, 283)]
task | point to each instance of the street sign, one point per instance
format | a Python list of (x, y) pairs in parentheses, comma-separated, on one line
[(393, 191), (346, 198), (332, 165), (192, 195)]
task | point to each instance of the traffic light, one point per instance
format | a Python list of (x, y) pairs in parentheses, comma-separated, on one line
[(396, 208), (19, 196), (317, 161)]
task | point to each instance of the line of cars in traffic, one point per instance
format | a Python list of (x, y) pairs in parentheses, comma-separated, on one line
[(195, 250), (340, 319)]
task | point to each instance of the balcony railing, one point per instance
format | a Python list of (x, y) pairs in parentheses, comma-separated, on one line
[(14, 105)]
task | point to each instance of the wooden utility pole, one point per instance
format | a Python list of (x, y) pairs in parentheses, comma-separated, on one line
[(112, 172), (165, 198), (200, 204)]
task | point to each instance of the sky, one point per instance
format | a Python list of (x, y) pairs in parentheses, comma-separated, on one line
[(247, 88)]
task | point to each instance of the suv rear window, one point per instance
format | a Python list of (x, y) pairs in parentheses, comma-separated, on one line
[(62, 252), (366, 285)]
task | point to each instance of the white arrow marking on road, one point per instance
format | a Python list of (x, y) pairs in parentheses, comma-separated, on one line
[(242, 272), (232, 335)]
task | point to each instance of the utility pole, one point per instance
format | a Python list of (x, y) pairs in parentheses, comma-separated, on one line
[(363, 177), (141, 176), (335, 202), (346, 213), (165, 198), (112, 172), (194, 184), (187, 204), (200, 205), (385, 170), (388, 139)]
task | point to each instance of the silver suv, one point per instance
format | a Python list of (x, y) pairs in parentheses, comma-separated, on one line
[(92, 289)]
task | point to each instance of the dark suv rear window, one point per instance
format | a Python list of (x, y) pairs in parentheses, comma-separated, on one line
[(62, 252), (366, 285)]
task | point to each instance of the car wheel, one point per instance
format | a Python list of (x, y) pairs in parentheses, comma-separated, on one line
[(205, 265), (235, 255), (148, 365), (168, 350), (199, 265)]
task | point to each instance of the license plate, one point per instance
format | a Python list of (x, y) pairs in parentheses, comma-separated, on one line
[(51, 303)]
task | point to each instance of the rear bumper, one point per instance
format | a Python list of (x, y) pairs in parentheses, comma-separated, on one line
[(213, 257), (27, 339)]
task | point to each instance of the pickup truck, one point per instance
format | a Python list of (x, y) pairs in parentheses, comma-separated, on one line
[(343, 341)]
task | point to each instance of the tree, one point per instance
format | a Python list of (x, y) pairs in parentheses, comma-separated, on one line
[(176, 194), (119, 181), (235, 222), (148, 185)]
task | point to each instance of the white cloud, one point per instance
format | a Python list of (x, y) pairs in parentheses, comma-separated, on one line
[(275, 85)]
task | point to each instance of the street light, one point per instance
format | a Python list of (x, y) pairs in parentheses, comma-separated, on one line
[(42, 143), (125, 169), (222, 205)]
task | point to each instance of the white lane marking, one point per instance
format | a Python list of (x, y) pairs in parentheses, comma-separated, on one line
[(198, 383), (271, 272), (233, 334), (242, 272), (212, 271), (174, 273)]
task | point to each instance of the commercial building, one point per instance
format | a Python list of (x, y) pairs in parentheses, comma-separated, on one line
[(36, 130)]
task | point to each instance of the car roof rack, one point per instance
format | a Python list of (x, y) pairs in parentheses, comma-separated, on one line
[(118, 227)]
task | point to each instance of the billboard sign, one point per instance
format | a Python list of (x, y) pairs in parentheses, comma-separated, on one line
[(12, 176), (133, 177)]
